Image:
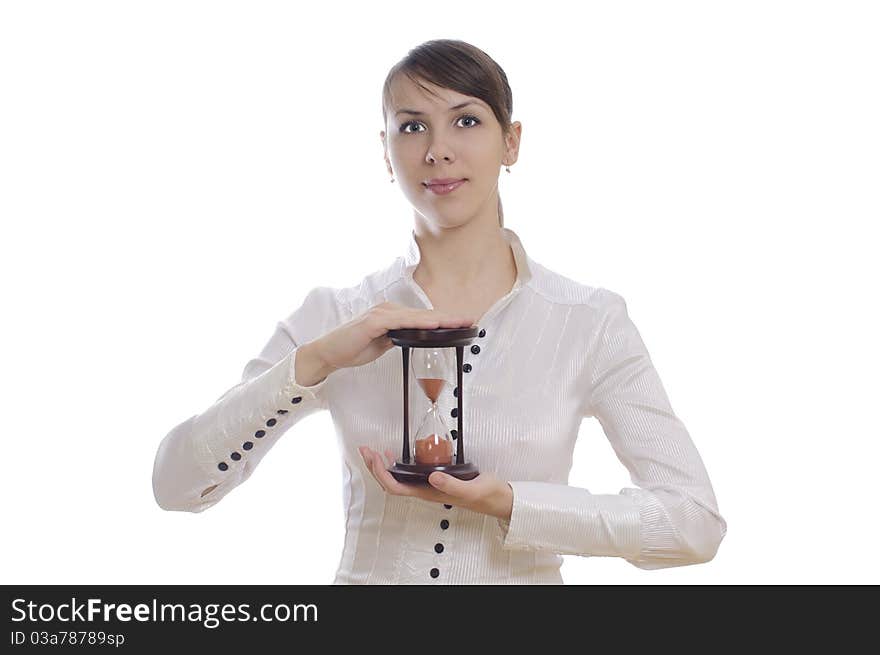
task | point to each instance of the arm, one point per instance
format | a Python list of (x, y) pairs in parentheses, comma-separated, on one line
[(672, 518), (279, 388)]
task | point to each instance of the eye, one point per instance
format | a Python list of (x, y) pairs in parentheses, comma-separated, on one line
[(403, 128)]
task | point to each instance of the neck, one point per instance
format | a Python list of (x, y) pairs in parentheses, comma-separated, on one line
[(469, 254)]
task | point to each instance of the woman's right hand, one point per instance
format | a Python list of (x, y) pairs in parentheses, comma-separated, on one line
[(364, 338)]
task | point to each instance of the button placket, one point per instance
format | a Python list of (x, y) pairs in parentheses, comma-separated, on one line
[(438, 547), (467, 368)]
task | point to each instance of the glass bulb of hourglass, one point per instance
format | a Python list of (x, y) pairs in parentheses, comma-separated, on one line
[(431, 369), (432, 444), (432, 387)]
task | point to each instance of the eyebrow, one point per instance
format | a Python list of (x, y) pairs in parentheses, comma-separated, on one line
[(421, 113)]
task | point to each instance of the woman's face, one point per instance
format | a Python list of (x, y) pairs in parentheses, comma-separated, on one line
[(439, 142)]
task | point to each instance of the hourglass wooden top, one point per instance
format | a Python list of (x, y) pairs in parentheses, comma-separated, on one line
[(436, 338)]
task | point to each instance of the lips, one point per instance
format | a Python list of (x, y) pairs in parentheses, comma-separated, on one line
[(444, 189), (439, 181)]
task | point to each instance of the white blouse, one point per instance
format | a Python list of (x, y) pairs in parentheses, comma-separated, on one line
[(550, 352)]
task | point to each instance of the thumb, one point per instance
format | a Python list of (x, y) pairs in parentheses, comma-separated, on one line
[(447, 483)]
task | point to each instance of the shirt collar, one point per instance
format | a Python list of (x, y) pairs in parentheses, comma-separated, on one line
[(523, 272)]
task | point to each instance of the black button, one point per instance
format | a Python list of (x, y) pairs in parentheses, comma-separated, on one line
[(259, 434), (247, 445), (455, 392), (222, 466), (444, 524), (466, 368), (236, 456), (482, 333), (454, 434), (438, 548), (296, 400), (435, 573), (282, 411), (475, 349), (447, 506), (454, 412), (271, 422)]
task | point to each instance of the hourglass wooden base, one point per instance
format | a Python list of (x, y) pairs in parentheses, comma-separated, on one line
[(418, 473)]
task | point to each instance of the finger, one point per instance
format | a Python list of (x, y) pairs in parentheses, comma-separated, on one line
[(449, 317), (430, 318), (370, 460), (450, 485), (377, 459), (367, 461), (391, 485), (389, 482), (456, 321), (366, 455), (383, 476), (408, 316)]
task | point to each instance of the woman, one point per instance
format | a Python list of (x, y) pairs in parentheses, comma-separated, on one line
[(550, 352)]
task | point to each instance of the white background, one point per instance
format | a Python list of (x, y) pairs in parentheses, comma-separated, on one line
[(176, 176)]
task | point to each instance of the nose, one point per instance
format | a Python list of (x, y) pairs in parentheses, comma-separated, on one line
[(438, 151)]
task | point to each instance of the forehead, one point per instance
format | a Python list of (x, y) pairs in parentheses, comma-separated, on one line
[(425, 96)]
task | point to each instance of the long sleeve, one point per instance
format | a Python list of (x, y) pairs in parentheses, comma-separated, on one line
[(671, 518), (206, 456)]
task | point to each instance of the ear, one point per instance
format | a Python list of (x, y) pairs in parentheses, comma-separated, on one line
[(511, 142), (385, 150)]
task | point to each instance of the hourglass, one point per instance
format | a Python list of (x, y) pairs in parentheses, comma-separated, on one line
[(427, 356)]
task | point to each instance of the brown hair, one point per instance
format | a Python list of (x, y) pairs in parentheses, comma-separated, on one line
[(461, 67)]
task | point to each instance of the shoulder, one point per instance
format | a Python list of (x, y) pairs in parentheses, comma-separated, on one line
[(357, 297), (559, 289)]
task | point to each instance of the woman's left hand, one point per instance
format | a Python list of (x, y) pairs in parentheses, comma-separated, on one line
[(485, 493)]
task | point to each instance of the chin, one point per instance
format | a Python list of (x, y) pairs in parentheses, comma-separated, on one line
[(445, 221)]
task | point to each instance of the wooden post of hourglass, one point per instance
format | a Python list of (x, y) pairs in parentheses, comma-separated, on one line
[(459, 355), (405, 457)]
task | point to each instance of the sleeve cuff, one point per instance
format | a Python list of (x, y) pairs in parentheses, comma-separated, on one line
[(259, 410), (294, 388), (570, 520)]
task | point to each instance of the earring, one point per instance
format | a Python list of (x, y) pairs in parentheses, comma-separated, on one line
[(508, 168), (392, 180)]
